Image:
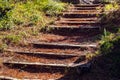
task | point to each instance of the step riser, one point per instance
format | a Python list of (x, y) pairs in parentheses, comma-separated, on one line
[(87, 5), (79, 19), (52, 56), (54, 47), (80, 15), (71, 1), (80, 30), (83, 8), (60, 47), (38, 69), (92, 24), (35, 68), (70, 28)]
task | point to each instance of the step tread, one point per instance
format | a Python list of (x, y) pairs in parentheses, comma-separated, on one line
[(70, 65), (46, 53)]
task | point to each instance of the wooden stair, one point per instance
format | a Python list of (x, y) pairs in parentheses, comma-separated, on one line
[(80, 16), (50, 57)]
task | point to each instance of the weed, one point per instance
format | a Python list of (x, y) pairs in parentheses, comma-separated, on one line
[(111, 7), (51, 7), (2, 47), (11, 39), (27, 13), (111, 16), (35, 31), (6, 24), (109, 42)]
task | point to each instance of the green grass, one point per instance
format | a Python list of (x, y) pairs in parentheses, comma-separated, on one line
[(27, 13), (11, 39)]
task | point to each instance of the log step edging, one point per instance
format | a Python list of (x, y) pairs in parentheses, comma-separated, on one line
[(89, 5), (85, 8), (74, 26), (61, 45), (77, 22), (83, 13), (48, 53), (70, 65), (80, 19), (7, 78), (12, 78)]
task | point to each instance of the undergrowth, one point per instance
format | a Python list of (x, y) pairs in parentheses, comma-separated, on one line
[(111, 17), (20, 19), (110, 50)]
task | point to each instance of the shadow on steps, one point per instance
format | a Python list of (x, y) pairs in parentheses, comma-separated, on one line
[(71, 1)]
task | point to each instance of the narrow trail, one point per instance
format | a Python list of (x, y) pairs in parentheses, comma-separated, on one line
[(59, 54)]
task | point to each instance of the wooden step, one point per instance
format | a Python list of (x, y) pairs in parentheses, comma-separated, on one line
[(70, 65), (87, 5), (60, 45), (74, 26), (46, 53), (7, 78), (80, 15), (84, 11), (80, 19), (77, 22), (85, 8)]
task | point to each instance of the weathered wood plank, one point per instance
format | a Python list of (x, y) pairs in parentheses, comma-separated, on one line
[(88, 5), (63, 45), (47, 53), (70, 65), (7, 78), (74, 27)]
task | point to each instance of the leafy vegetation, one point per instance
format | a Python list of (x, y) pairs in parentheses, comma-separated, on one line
[(111, 17), (20, 19), (110, 20), (28, 13), (11, 39), (109, 42)]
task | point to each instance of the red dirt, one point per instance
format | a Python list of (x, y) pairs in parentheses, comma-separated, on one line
[(57, 51), (41, 59), (21, 74), (73, 38)]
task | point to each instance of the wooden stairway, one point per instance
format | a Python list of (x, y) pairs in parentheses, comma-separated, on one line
[(51, 60)]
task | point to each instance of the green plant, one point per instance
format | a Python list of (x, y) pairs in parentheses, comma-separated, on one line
[(50, 7), (6, 24), (105, 42), (2, 47), (5, 6), (111, 17), (11, 39), (25, 14), (111, 7), (109, 42)]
